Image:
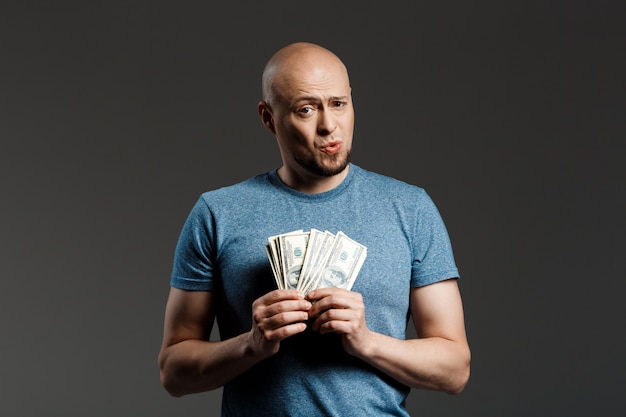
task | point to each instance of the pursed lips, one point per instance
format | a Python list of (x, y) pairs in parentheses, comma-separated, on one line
[(331, 147)]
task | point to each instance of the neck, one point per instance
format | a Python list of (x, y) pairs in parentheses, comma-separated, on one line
[(311, 184)]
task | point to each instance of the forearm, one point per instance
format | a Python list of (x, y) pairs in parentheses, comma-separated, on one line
[(430, 363), (194, 366)]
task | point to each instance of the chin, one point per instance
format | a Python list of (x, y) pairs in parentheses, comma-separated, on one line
[(326, 165), (332, 169)]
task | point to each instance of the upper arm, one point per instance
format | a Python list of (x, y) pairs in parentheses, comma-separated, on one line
[(188, 315), (437, 311)]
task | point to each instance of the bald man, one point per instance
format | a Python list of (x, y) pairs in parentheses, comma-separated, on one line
[(331, 351)]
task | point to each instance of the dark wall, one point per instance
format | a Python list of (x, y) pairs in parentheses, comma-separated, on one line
[(115, 116)]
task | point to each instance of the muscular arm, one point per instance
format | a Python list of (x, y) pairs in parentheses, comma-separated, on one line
[(438, 359), (190, 363)]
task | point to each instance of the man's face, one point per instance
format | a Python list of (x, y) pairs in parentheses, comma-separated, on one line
[(314, 119)]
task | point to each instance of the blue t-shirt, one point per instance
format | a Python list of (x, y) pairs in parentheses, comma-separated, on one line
[(222, 249)]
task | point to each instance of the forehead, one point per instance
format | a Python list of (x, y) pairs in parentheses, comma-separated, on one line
[(319, 86), (317, 76)]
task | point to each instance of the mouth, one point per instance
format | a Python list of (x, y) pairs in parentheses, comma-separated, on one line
[(331, 147)]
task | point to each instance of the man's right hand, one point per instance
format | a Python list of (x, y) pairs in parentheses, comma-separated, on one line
[(276, 316)]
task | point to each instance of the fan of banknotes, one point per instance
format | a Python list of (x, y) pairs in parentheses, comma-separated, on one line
[(305, 260)]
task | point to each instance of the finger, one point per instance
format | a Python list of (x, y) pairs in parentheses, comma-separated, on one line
[(283, 307), (333, 301), (281, 333), (282, 319), (280, 295), (320, 293), (277, 301), (331, 318), (336, 326), (336, 293)]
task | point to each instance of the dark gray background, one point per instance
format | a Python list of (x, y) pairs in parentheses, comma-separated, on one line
[(116, 115)]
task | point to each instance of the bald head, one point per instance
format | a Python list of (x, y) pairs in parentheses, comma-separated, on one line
[(290, 62)]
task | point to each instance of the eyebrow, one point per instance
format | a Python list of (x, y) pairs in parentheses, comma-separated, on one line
[(312, 98)]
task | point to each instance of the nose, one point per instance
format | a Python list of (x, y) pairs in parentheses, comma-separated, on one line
[(326, 123)]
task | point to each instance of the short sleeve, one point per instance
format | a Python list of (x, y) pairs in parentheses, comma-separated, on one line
[(433, 259), (194, 255)]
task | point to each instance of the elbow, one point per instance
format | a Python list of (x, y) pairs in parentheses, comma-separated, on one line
[(170, 386), (173, 390), (168, 380), (457, 384), (180, 379), (459, 378)]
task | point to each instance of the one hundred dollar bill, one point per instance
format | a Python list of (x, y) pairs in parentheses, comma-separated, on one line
[(305, 260), (293, 247), (273, 253), (317, 241), (342, 264)]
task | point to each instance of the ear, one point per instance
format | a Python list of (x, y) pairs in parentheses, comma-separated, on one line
[(265, 112)]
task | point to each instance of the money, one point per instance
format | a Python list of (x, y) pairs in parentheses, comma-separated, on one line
[(292, 250), (305, 260)]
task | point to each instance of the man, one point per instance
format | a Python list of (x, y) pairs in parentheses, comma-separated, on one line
[(332, 351)]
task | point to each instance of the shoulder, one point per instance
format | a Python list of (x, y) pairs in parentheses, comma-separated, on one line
[(241, 191), (384, 184)]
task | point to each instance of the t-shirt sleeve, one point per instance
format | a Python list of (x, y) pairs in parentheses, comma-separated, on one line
[(194, 254), (433, 259)]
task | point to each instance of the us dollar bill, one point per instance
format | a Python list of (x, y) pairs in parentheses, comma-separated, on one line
[(318, 241), (293, 247), (305, 260), (275, 273), (342, 263), (275, 258)]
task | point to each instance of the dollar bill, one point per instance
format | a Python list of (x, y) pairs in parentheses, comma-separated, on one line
[(305, 260), (275, 273), (292, 247), (318, 240), (342, 263), (274, 255)]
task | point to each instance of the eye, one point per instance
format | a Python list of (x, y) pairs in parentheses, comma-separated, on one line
[(306, 110)]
